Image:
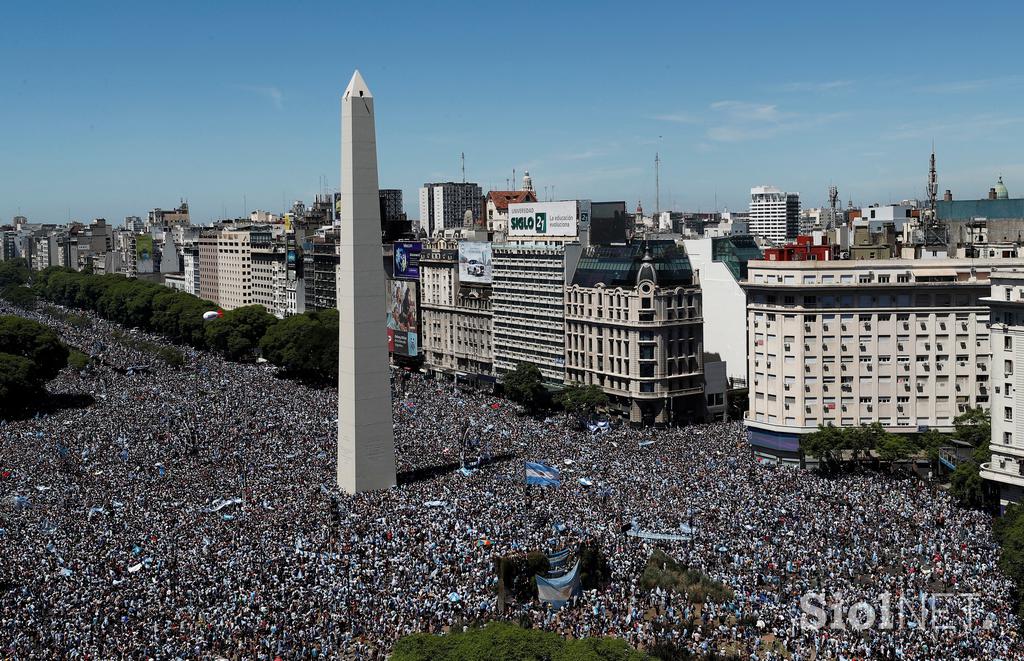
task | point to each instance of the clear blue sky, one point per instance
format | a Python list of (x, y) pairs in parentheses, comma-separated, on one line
[(112, 108)]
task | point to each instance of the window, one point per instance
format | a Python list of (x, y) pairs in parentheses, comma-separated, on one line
[(1008, 343), (1008, 413), (1007, 437)]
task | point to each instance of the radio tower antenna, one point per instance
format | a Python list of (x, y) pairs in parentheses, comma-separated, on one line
[(657, 183), (833, 202), (463, 156), (933, 186)]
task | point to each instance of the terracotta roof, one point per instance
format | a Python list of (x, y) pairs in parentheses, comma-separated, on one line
[(502, 198)]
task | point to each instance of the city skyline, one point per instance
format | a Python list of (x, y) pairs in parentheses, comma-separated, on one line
[(117, 112)]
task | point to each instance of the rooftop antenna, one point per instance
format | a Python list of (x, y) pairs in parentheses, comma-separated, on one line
[(513, 179), (657, 183), (933, 184), (463, 167), (833, 201)]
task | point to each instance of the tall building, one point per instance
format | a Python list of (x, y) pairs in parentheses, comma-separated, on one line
[(320, 266), (234, 269), (391, 204), (455, 309), (633, 328), (208, 255), (722, 265), (774, 214), (444, 205), (528, 303), (900, 342), (1006, 313), (366, 441)]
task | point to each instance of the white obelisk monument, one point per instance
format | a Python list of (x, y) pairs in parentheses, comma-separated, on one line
[(366, 439)]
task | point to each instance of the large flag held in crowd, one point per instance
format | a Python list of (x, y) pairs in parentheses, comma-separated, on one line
[(558, 558), (546, 476), (557, 591)]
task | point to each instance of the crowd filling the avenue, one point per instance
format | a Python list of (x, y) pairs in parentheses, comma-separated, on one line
[(192, 512)]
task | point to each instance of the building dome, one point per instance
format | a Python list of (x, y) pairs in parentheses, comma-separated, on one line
[(1001, 192)]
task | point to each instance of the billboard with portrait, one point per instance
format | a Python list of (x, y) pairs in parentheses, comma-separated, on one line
[(144, 253), (475, 265), (407, 259), (403, 317)]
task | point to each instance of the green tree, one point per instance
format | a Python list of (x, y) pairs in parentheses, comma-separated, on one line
[(305, 345), (19, 296), (582, 401), (1009, 532), (973, 427), (965, 484), (893, 447), (13, 272), (237, 334), (30, 355), (525, 385), (827, 444), (499, 640)]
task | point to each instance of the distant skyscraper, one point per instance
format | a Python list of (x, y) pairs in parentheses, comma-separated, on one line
[(774, 214), (444, 205), (366, 441), (391, 204)]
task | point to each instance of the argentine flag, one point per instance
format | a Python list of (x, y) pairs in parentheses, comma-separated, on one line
[(542, 475)]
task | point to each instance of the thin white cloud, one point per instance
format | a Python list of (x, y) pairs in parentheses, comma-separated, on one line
[(740, 121), (974, 85), (678, 118), (974, 126), (826, 86), (273, 94)]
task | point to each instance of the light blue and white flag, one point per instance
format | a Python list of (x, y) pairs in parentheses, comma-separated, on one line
[(543, 475), (557, 591)]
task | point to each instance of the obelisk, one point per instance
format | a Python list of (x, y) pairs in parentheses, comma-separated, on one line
[(366, 439)]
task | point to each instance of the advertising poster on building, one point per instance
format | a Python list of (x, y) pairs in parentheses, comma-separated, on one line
[(541, 219), (402, 318), (144, 253), (407, 259), (475, 262)]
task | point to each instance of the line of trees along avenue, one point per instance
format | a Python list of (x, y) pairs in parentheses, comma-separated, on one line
[(304, 346)]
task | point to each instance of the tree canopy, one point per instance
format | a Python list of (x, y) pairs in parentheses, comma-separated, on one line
[(30, 355), (525, 385), (305, 346), (237, 334), (582, 400), (499, 640)]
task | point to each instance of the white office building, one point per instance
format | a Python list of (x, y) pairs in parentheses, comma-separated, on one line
[(1006, 312), (774, 214), (845, 343)]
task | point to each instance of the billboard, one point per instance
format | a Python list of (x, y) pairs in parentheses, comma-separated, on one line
[(403, 318), (608, 223), (542, 219), (144, 253), (475, 262), (407, 259)]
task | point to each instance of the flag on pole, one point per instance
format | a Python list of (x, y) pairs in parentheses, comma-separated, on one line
[(543, 475)]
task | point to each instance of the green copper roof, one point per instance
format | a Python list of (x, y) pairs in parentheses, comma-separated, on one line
[(618, 266)]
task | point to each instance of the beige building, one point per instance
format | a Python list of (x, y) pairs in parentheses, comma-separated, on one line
[(634, 327), (225, 267), (455, 317), (900, 342), (1006, 313)]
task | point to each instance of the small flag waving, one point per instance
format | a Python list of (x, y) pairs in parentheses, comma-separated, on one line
[(546, 476)]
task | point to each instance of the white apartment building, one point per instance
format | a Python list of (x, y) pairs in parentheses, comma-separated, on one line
[(444, 205), (1006, 313), (456, 318), (900, 342), (528, 303), (774, 214)]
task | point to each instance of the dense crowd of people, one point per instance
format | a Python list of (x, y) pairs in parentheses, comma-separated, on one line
[(193, 513)]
